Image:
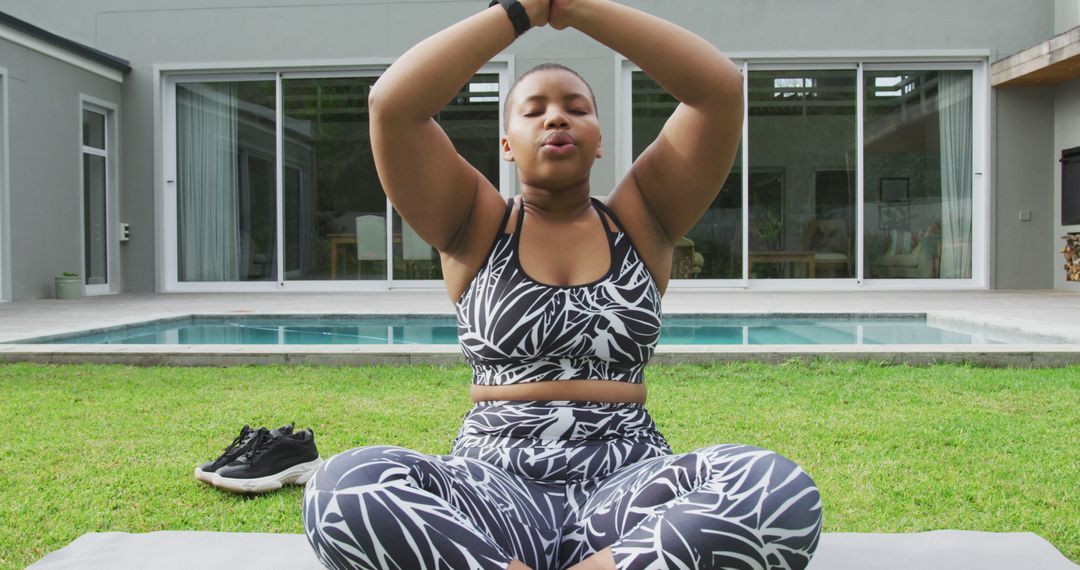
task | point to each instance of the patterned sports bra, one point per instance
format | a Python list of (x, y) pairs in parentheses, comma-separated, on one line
[(514, 329)]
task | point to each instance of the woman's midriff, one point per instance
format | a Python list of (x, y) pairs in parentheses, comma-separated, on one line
[(575, 390)]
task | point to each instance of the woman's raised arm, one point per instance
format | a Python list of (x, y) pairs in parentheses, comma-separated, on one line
[(673, 182), (431, 185)]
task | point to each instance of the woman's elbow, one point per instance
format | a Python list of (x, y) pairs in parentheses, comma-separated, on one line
[(728, 94), (376, 101), (730, 82), (386, 104)]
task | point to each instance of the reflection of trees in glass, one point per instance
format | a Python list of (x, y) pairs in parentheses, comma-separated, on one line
[(331, 114), (651, 106), (327, 135), (768, 229), (767, 209)]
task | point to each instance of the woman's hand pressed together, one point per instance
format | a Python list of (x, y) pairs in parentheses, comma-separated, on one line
[(539, 11), (560, 13)]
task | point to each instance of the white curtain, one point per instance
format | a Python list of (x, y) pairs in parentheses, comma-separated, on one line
[(954, 118), (413, 247), (371, 237), (208, 197)]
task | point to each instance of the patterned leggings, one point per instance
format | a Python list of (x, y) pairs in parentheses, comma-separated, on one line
[(551, 483)]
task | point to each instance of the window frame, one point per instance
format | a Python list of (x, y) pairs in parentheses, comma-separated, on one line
[(166, 79), (112, 166), (976, 61)]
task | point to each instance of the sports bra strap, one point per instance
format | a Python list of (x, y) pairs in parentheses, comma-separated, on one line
[(607, 212), (506, 216)]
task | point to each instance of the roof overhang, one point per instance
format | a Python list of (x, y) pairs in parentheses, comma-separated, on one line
[(1054, 61), (74, 53)]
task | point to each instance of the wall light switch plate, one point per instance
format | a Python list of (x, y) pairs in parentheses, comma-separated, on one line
[(1025, 215)]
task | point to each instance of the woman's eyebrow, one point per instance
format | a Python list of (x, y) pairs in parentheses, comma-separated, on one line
[(590, 105), (544, 99), (536, 99)]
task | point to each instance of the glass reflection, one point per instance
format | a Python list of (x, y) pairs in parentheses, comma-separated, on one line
[(334, 206), (918, 174), (95, 219), (802, 130), (226, 197)]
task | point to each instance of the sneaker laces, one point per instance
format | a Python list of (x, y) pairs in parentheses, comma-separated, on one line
[(233, 449), (263, 440)]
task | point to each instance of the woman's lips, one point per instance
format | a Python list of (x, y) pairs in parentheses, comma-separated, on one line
[(558, 144)]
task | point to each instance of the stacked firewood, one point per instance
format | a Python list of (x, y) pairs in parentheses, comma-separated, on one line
[(1072, 256)]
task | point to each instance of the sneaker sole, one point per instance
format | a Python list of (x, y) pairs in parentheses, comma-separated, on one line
[(204, 476), (295, 475)]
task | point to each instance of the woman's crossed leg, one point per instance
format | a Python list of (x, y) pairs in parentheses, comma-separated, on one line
[(389, 507), (722, 506)]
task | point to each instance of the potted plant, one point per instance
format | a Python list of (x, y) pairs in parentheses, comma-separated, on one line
[(69, 286)]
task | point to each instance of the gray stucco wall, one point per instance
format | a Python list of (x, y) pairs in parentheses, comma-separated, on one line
[(164, 31), (1024, 181), (45, 126), (1066, 15), (1066, 135)]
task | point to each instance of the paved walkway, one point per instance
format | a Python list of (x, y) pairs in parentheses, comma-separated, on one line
[(1050, 313)]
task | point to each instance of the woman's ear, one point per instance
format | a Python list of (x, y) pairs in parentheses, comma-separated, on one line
[(600, 148), (504, 147)]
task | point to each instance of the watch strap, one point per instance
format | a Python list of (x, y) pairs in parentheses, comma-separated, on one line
[(518, 16)]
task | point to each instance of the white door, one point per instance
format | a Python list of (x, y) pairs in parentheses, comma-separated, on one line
[(97, 200)]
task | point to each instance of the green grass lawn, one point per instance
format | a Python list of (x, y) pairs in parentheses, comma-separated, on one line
[(892, 448)]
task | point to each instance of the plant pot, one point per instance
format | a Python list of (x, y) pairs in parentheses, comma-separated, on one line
[(69, 287)]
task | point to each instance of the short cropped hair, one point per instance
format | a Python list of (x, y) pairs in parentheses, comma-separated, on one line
[(544, 67)]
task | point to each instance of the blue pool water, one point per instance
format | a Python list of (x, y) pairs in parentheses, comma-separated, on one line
[(678, 329)]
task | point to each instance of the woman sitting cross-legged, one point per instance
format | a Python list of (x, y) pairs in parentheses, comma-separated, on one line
[(559, 464)]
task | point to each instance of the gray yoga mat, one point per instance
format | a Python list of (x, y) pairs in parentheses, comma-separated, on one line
[(935, 550)]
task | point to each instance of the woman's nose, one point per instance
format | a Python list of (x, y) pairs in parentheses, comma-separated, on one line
[(555, 119)]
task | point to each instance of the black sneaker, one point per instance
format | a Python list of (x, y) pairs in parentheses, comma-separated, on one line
[(238, 447), (271, 461)]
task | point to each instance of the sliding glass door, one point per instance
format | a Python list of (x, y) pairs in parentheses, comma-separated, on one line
[(225, 182), (803, 153), (335, 209), (856, 172), (918, 144), (275, 180), (334, 206)]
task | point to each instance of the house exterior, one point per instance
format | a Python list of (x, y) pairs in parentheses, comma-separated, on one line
[(190, 146)]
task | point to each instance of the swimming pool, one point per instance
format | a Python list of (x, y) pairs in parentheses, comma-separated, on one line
[(876, 329)]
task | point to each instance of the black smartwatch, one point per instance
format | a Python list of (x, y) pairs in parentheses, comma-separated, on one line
[(517, 14)]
